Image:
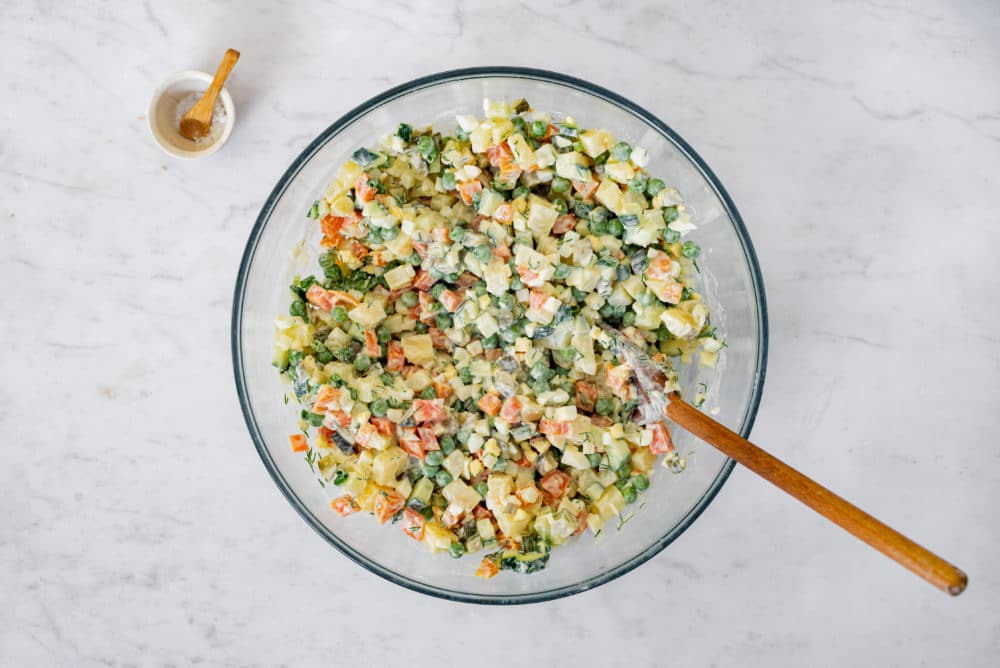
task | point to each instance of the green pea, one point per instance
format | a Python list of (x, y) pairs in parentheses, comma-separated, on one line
[(443, 321), (628, 319), (409, 299), (559, 185), (456, 550), (448, 181), (457, 233), (340, 477), (378, 407), (383, 335), (671, 236), (298, 308), (428, 392), (568, 354), (654, 186), (516, 283), (414, 258), (425, 144), (339, 313), (561, 271), (390, 233), (421, 328), (670, 214), (429, 470), (602, 406), (638, 184), (517, 122), (640, 482), (507, 301), (621, 151), (615, 228), (630, 494), (540, 371), (598, 227), (520, 191), (537, 128), (560, 206), (690, 250), (483, 253), (387, 379), (362, 363), (442, 478), (437, 290), (447, 444), (491, 342), (375, 235), (539, 386), (434, 458), (599, 214)]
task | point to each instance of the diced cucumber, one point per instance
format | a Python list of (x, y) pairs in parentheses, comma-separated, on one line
[(421, 494)]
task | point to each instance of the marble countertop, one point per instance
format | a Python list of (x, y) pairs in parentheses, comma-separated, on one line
[(861, 142)]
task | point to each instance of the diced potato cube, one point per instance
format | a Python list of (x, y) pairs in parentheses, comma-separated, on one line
[(388, 464), (367, 315), (400, 277), (609, 194), (573, 166), (460, 494), (418, 348), (437, 538), (596, 142)]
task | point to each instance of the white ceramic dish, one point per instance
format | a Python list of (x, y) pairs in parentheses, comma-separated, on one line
[(163, 110)]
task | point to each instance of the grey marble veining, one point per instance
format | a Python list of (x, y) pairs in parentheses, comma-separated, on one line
[(861, 142)]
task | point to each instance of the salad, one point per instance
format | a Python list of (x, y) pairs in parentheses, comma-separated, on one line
[(452, 375)]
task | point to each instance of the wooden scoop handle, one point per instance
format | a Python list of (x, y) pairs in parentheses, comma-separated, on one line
[(886, 540)]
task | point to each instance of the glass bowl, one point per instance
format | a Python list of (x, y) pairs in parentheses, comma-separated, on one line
[(730, 281)]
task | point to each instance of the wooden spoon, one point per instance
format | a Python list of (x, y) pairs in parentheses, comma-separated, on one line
[(886, 540), (198, 121)]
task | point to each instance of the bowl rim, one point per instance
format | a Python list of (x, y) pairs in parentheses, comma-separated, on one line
[(545, 76)]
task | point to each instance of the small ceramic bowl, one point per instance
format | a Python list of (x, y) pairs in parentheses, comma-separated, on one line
[(172, 99)]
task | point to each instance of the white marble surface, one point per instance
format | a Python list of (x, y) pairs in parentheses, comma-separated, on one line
[(861, 141)]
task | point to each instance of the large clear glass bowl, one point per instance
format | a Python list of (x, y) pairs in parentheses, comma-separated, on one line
[(730, 281)]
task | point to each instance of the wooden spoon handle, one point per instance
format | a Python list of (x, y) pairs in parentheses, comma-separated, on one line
[(886, 540), (203, 108)]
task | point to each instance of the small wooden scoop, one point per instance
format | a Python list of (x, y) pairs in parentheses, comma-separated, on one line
[(657, 405), (198, 121)]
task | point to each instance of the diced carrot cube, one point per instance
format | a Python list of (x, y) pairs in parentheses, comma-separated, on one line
[(490, 404), (388, 502), (487, 568), (298, 442), (345, 505), (586, 396), (410, 442), (429, 410), (467, 189), (555, 483), (413, 524), (372, 348), (396, 357), (363, 188), (537, 299), (564, 223), (511, 410), (661, 444), (428, 439), (452, 299)]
